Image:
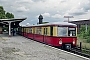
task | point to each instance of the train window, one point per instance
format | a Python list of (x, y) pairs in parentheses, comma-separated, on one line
[(71, 31), (27, 30), (71, 28), (51, 31), (30, 30), (45, 31), (62, 31), (33, 30), (38, 30), (24, 29)]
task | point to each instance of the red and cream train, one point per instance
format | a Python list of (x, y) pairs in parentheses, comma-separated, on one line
[(61, 34)]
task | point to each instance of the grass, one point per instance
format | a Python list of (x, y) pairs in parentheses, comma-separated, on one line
[(84, 43), (84, 51)]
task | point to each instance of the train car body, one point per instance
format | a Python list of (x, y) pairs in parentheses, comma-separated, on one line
[(61, 34)]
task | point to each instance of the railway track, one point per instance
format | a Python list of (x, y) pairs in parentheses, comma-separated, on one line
[(78, 50)]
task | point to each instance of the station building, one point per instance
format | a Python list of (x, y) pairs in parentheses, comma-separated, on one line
[(85, 22)]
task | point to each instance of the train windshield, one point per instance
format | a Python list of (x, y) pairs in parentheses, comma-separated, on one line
[(71, 31), (62, 31)]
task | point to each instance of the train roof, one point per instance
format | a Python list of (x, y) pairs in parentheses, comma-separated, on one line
[(54, 24)]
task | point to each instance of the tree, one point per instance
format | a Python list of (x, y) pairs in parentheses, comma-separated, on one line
[(2, 10), (85, 35), (82, 29), (9, 15), (4, 15)]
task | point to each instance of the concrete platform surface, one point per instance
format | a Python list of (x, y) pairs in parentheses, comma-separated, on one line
[(21, 48)]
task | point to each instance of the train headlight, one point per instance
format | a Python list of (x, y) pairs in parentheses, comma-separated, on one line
[(73, 41), (60, 41)]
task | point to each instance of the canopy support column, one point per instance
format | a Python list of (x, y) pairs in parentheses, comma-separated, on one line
[(9, 29)]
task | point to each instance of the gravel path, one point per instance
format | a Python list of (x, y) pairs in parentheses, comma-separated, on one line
[(20, 48)]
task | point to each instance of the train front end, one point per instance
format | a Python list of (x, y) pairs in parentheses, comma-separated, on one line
[(67, 36)]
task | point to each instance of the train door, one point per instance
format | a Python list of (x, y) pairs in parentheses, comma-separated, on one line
[(71, 31), (51, 31), (26, 31), (33, 32), (45, 34), (22, 31), (51, 34)]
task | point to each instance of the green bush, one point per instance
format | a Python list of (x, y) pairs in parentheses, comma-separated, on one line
[(85, 35), (88, 39)]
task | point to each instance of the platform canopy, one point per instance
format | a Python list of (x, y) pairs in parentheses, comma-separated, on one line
[(81, 22), (14, 22), (11, 23)]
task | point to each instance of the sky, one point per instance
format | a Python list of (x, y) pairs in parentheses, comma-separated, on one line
[(51, 10)]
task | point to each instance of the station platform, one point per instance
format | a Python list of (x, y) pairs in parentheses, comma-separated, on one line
[(21, 48)]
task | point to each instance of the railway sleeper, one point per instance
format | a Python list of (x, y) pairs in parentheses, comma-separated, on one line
[(86, 55), (76, 50), (80, 53)]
